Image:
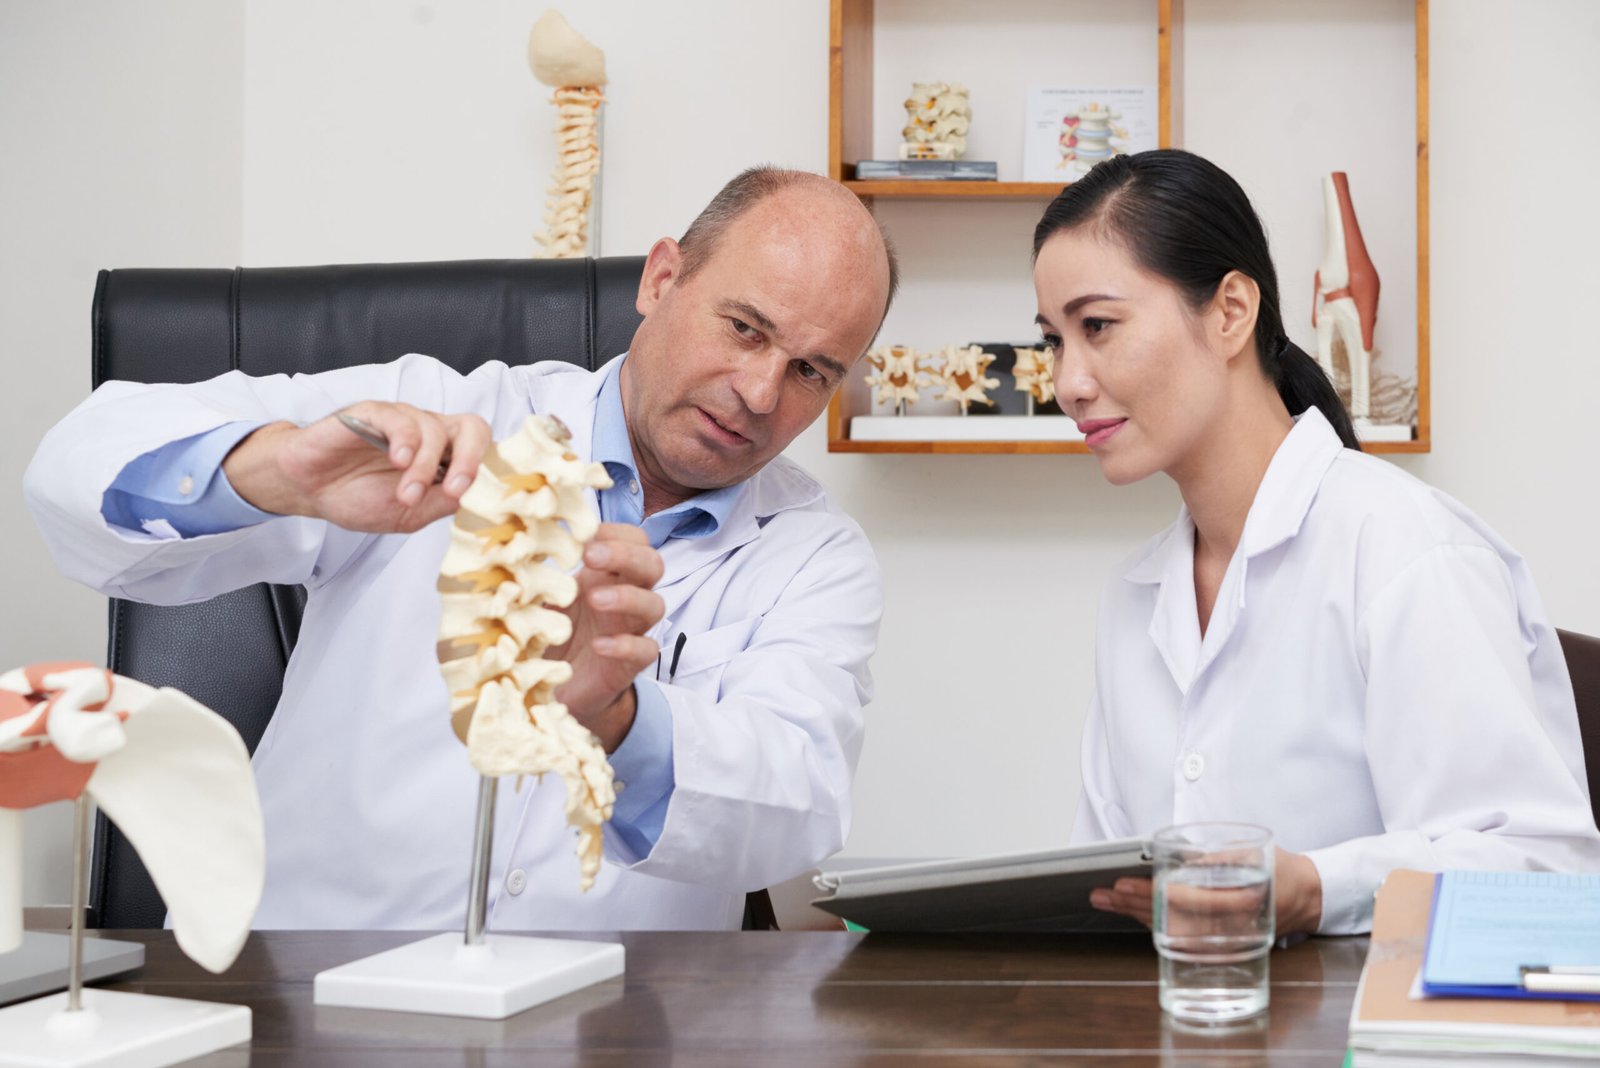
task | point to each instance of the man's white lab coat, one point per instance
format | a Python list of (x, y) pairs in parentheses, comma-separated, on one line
[(1378, 684), (369, 799)]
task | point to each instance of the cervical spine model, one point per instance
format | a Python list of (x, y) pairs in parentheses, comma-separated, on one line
[(962, 375), (576, 69), (1346, 301), (1032, 374), (517, 536), (170, 773), (937, 120), (899, 374)]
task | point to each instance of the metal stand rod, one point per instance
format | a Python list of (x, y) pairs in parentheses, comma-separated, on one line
[(80, 865), (594, 193), (482, 841), (1030, 402)]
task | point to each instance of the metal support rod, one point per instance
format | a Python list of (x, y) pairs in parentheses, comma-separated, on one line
[(80, 866), (1030, 402), (482, 841), (594, 193)]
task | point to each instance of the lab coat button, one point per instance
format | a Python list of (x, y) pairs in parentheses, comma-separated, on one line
[(516, 881), (1194, 765)]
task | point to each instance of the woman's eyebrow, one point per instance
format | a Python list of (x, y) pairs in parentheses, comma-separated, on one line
[(1088, 298)]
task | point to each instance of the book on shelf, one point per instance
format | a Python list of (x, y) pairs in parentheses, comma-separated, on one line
[(1393, 1023), (935, 170)]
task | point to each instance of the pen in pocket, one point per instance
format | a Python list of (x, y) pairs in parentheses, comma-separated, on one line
[(677, 652)]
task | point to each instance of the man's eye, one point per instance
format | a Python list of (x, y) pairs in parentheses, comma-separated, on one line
[(807, 371), (742, 328)]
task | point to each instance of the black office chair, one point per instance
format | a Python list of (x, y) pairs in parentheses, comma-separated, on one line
[(1583, 664), (230, 653)]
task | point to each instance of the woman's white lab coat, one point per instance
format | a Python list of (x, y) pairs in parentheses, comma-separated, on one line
[(367, 796), (1378, 684)]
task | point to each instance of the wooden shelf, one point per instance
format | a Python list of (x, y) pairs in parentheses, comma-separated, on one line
[(1076, 448), (1039, 448), (850, 138), (916, 188), (850, 104), (840, 441)]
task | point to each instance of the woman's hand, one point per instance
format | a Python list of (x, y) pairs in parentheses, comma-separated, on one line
[(1297, 895)]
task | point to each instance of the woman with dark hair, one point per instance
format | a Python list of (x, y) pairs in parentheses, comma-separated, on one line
[(1321, 643)]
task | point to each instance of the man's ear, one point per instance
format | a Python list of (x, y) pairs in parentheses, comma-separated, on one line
[(661, 269), (1233, 312)]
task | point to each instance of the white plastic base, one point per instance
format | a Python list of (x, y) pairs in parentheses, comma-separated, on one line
[(118, 1030), (963, 428), (1366, 431), (1023, 428), (500, 978)]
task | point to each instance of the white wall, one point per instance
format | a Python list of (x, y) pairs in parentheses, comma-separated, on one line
[(120, 127), (374, 131)]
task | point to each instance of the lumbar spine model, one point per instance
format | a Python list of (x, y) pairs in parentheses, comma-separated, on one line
[(576, 69), (899, 374), (518, 535), (962, 375), (1032, 374), (937, 119)]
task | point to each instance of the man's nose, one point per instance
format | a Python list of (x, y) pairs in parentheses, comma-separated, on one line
[(759, 381)]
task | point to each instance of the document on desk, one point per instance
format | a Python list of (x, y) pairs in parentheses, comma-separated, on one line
[(1046, 890), (1487, 927)]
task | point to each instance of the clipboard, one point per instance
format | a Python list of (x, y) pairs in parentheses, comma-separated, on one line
[(1046, 890), (1488, 929), (1390, 1022)]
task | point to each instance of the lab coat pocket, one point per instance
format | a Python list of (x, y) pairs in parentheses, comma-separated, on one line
[(705, 654)]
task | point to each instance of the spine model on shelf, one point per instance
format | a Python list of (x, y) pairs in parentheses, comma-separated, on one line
[(962, 374)]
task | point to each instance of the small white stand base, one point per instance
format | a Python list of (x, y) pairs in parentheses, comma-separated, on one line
[(1376, 432), (118, 1030), (963, 428), (501, 977)]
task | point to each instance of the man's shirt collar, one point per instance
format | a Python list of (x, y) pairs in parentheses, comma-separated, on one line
[(698, 517)]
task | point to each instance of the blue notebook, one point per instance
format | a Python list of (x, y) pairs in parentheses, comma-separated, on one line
[(1488, 925)]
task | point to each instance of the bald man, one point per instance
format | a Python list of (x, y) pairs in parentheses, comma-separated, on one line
[(721, 638)]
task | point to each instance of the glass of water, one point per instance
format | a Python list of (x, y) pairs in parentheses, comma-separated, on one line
[(1213, 919)]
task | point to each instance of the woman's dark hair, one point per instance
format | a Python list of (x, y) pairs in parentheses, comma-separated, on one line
[(1186, 220)]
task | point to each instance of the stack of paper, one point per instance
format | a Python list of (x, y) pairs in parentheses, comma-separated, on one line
[(1394, 1024)]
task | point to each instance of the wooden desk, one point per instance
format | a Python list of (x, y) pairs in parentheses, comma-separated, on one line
[(784, 999)]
